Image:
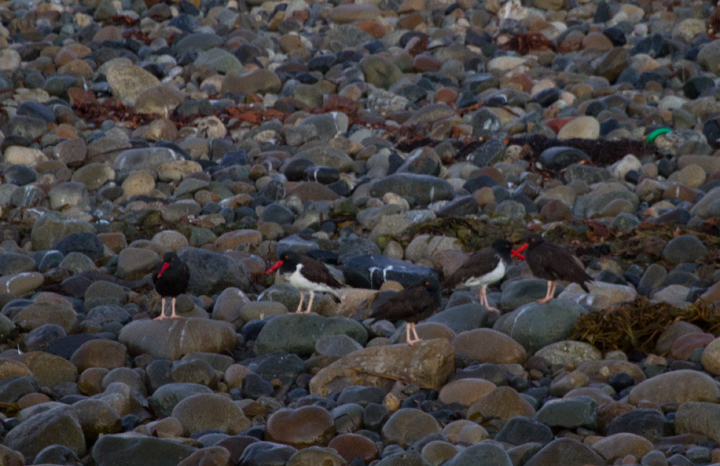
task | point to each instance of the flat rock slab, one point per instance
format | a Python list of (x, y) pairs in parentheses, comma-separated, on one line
[(174, 338), (427, 364)]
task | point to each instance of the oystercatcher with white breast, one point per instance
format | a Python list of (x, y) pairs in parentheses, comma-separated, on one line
[(553, 263), (483, 268), (305, 274), (171, 279)]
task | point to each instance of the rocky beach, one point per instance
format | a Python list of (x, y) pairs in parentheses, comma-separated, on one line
[(388, 139)]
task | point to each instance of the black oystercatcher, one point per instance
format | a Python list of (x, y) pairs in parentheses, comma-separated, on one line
[(412, 305), (552, 263), (305, 273), (171, 280), (483, 268)]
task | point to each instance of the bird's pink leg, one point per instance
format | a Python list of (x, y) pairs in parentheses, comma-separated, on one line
[(414, 330), (549, 294), (173, 315), (407, 334), (162, 310), (416, 338), (312, 296), (302, 298), (484, 301)]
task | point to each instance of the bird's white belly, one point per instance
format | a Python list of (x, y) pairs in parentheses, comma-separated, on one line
[(297, 280), (488, 279)]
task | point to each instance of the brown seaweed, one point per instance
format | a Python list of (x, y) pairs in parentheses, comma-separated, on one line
[(637, 324)]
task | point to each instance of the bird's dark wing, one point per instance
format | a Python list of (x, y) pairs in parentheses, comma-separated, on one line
[(407, 304), (478, 264), (317, 272), (552, 262), (186, 272)]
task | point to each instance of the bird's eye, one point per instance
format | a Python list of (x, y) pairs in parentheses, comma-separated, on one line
[(427, 283)]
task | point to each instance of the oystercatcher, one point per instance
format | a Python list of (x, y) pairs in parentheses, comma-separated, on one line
[(305, 274), (171, 280), (552, 263), (483, 268), (413, 304)]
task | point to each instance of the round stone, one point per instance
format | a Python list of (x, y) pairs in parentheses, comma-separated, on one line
[(210, 411), (351, 446), (406, 426), (138, 183), (465, 391), (302, 427)]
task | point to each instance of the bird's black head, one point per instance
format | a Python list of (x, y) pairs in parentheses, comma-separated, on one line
[(290, 257), (170, 257), (502, 246), (533, 240), (286, 261), (431, 284)]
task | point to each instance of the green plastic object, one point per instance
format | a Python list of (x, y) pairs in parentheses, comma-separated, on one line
[(658, 132)]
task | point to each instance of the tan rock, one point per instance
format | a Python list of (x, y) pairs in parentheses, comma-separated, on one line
[(233, 239), (585, 127), (138, 183), (595, 393), (159, 100), (116, 242), (170, 240), (424, 247), (135, 263), (106, 354), (302, 427), (565, 352), (711, 357), (235, 374), (174, 338), (27, 156), (10, 367), (485, 345), (464, 431), (466, 391), (502, 404), (620, 445), (348, 13), (177, 170), (426, 364), (409, 6), (49, 369), (37, 314), (676, 387), (571, 381), (206, 411), (406, 426), (600, 371), (209, 456), (256, 81), (698, 418)]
